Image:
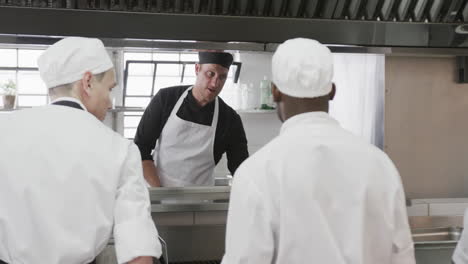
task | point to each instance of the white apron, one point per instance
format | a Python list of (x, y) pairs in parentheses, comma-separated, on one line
[(184, 156)]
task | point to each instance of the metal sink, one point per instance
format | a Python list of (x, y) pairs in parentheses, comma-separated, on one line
[(435, 238), (418, 222), (435, 245), (436, 230)]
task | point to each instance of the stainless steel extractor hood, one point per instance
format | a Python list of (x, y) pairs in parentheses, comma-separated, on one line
[(381, 23)]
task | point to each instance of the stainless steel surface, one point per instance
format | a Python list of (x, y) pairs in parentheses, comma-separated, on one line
[(340, 10), (271, 47), (427, 52), (190, 199), (193, 230), (447, 12), (9, 41), (439, 235), (435, 238), (329, 8), (403, 8), (435, 245), (417, 222), (187, 193), (418, 11), (19, 39), (95, 23), (194, 243)]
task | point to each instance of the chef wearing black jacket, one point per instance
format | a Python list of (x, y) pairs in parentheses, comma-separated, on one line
[(193, 128)]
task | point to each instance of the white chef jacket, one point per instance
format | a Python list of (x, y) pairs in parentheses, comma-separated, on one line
[(317, 194), (67, 182), (460, 255)]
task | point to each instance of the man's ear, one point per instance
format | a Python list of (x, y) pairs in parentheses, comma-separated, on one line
[(85, 87), (197, 68), (276, 93), (332, 93)]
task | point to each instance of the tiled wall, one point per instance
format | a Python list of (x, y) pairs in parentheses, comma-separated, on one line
[(438, 207)]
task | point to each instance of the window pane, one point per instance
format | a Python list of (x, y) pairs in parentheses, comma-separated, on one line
[(166, 56), (8, 58), (189, 81), (30, 100), (129, 132), (232, 71), (189, 70), (169, 70), (131, 121), (139, 85), (189, 56), (141, 69), (28, 58), (137, 101), (137, 56), (29, 82), (163, 82)]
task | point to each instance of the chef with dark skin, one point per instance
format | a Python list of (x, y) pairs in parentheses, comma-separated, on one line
[(185, 130)]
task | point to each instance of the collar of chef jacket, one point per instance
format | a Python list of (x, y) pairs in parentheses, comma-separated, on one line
[(319, 118), (70, 102)]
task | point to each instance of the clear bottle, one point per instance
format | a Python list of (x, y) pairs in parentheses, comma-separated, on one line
[(265, 94)]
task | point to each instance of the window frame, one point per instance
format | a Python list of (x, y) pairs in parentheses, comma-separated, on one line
[(17, 69), (155, 67)]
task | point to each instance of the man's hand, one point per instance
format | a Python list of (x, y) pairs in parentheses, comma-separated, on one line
[(151, 174), (142, 260)]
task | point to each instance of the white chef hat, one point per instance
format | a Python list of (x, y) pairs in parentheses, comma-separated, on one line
[(67, 60), (303, 68)]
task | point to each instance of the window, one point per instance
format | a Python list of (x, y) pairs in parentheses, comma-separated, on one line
[(147, 73), (20, 66)]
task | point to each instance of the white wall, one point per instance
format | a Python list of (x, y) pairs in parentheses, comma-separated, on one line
[(260, 128), (358, 105), (255, 65)]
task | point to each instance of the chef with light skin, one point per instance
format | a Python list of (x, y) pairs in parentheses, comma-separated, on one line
[(186, 129), (67, 181)]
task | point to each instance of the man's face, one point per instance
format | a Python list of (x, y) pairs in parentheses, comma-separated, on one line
[(98, 96), (210, 80)]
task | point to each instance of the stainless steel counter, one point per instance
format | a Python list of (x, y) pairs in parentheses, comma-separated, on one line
[(190, 199), (192, 220)]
